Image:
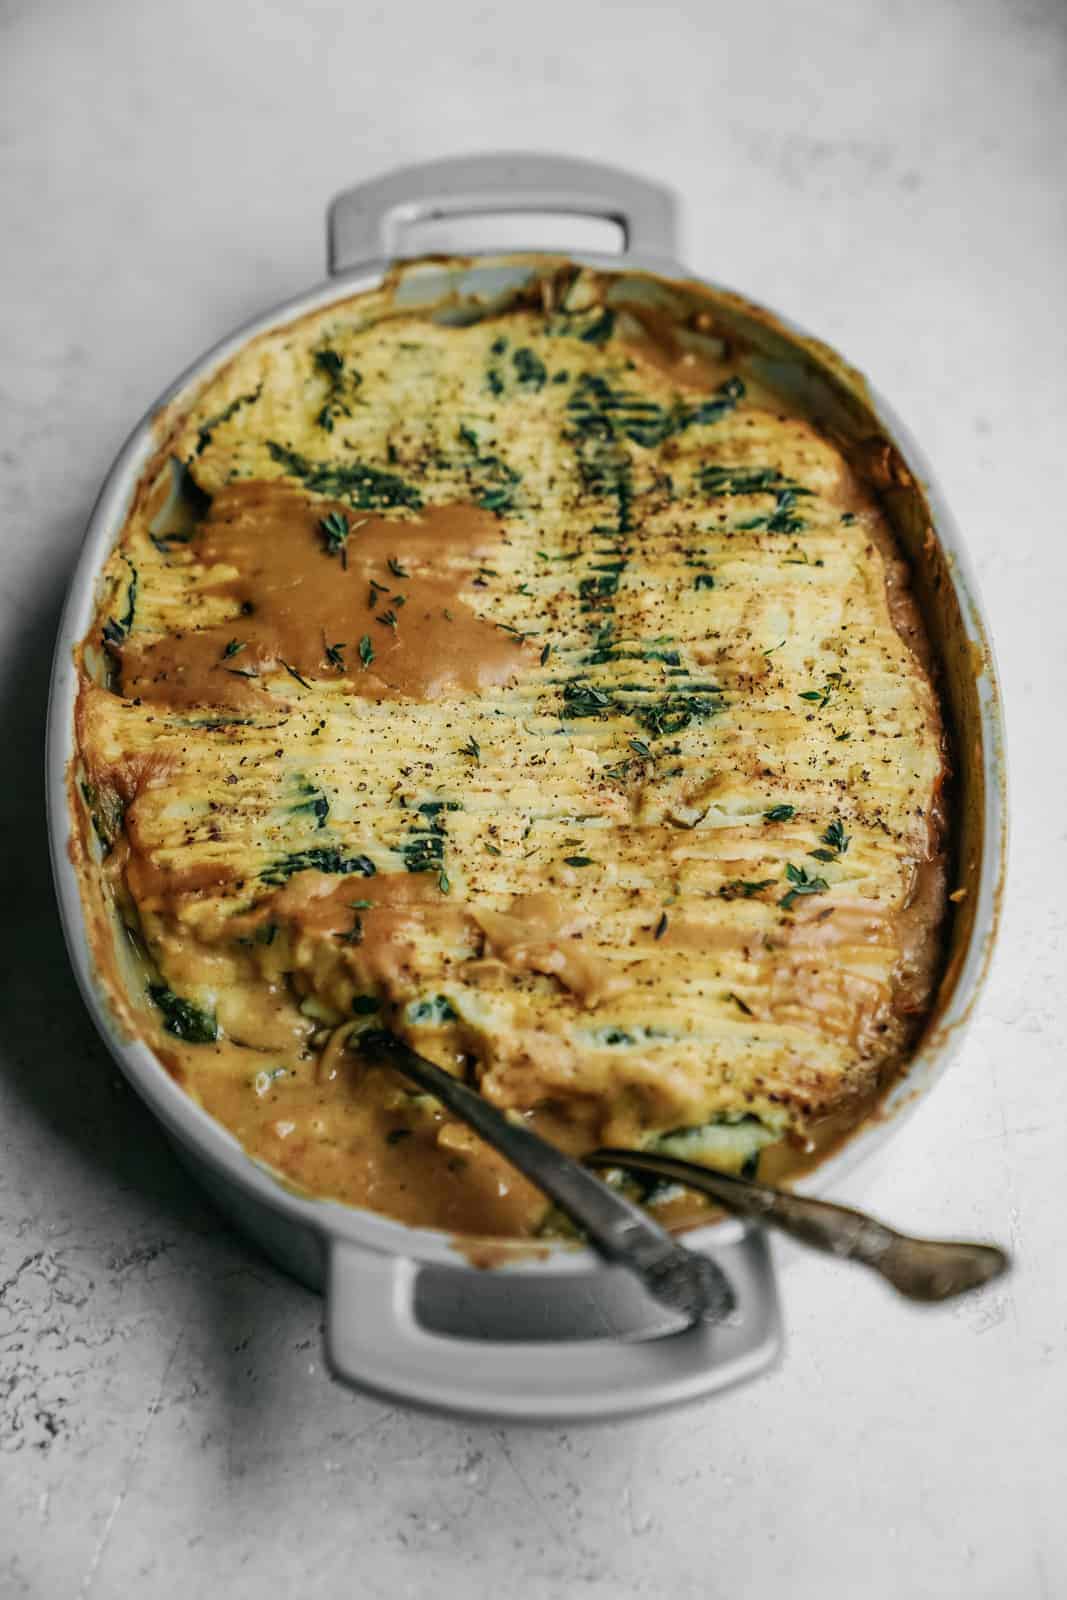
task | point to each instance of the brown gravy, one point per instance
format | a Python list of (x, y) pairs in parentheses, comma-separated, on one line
[(301, 610)]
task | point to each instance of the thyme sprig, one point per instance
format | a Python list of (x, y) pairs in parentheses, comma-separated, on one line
[(835, 840), (801, 884)]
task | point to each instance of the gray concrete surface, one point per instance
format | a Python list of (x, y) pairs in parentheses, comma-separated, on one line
[(893, 174)]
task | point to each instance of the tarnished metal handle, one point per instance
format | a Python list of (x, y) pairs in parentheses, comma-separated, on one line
[(921, 1269), (367, 223)]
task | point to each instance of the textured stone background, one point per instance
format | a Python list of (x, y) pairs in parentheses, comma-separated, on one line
[(892, 173)]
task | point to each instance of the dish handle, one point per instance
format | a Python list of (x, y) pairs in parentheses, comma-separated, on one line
[(376, 1341), (366, 224)]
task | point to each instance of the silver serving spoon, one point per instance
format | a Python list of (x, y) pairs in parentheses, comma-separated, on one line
[(921, 1269), (690, 1284)]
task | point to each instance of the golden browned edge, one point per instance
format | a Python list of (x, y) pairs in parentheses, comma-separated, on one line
[(953, 662)]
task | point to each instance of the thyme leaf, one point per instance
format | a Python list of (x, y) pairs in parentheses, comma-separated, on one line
[(801, 884), (675, 712), (836, 837), (294, 674), (744, 889), (584, 699), (335, 530)]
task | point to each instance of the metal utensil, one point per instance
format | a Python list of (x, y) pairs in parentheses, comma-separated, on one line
[(688, 1283), (921, 1269)]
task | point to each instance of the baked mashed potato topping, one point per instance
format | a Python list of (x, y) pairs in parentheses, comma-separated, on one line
[(543, 689)]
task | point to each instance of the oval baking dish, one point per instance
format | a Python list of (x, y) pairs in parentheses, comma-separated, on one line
[(552, 1332)]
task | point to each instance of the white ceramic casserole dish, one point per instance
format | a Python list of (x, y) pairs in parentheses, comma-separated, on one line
[(553, 1334)]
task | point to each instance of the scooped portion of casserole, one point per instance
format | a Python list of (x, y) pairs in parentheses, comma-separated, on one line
[(542, 688)]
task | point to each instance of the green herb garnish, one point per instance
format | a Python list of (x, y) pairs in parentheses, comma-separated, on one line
[(435, 1010), (315, 801), (837, 841), (584, 699), (717, 479), (744, 889), (675, 712), (592, 326), (802, 884), (182, 1018), (294, 674), (205, 431), (367, 488), (529, 369), (424, 852), (320, 858), (597, 410), (821, 697), (330, 364), (335, 530)]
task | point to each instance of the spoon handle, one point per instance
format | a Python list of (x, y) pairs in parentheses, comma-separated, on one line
[(921, 1269), (690, 1284)]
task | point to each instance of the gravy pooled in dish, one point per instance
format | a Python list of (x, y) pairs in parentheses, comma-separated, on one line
[(543, 690)]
